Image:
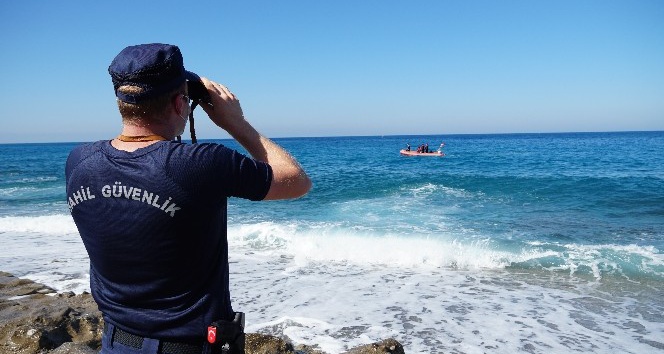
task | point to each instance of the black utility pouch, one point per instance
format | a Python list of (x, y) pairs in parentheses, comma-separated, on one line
[(227, 337)]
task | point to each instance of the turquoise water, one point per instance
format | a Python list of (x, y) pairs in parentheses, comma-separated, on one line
[(553, 194), (543, 243)]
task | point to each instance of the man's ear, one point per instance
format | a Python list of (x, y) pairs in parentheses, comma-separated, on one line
[(178, 104)]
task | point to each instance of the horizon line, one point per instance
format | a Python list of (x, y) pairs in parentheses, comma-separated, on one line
[(368, 136)]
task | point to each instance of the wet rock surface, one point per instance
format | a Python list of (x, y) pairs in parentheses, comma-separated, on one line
[(36, 319)]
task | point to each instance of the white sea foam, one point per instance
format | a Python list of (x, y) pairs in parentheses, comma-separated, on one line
[(325, 244), (45, 224), (321, 284), (29, 191), (37, 179), (334, 243), (321, 334), (338, 305), (46, 249), (604, 259), (15, 192)]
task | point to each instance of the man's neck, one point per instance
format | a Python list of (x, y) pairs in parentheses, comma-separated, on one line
[(134, 137), (152, 129)]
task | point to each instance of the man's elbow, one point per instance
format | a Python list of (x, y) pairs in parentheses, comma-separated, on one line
[(289, 188), (304, 186)]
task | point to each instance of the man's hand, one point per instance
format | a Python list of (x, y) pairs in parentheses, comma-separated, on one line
[(225, 111)]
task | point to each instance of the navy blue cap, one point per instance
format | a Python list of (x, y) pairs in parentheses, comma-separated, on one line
[(156, 68)]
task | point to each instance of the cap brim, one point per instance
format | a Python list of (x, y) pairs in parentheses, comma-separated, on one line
[(191, 76)]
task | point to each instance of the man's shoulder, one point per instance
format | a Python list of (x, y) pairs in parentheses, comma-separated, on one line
[(80, 153), (198, 152), (85, 149)]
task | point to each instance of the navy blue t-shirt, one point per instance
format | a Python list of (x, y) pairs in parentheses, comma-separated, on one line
[(153, 222)]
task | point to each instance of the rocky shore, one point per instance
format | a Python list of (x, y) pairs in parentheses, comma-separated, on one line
[(36, 319)]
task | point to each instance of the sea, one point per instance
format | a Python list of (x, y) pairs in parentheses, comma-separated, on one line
[(533, 243)]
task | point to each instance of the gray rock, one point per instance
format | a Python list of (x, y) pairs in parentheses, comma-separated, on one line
[(74, 348), (386, 346), (34, 319)]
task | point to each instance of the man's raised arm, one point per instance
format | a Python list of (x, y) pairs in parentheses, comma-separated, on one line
[(289, 179)]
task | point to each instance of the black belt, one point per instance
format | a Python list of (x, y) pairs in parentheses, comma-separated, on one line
[(166, 347)]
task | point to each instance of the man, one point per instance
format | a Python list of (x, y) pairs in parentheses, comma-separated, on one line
[(152, 212)]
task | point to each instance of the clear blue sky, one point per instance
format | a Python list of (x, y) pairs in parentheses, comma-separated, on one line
[(326, 68)]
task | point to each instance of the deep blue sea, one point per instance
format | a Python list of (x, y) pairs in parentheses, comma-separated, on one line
[(535, 243)]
